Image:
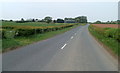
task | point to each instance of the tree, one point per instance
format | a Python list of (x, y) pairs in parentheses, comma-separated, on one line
[(48, 19), (60, 21), (54, 21), (41, 20), (81, 19), (118, 21), (98, 22), (33, 20), (22, 20), (3, 20), (36, 20), (11, 20)]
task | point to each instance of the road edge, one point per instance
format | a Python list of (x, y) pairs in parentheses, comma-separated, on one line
[(104, 46)]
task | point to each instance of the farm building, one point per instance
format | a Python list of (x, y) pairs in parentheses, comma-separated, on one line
[(69, 21)]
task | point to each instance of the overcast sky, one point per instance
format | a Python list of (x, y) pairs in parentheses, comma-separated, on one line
[(103, 11)]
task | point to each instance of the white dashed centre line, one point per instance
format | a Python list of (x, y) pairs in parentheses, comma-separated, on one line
[(63, 46), (72, 37)]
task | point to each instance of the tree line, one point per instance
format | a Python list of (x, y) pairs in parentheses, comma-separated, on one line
[(48, 19), (108, 22)]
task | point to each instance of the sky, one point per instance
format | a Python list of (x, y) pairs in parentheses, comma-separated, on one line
[(94, 11)]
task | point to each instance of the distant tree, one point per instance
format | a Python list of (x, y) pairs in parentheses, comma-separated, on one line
[(2, 20), (36, 20), (108, 21), (48, 19), (22, 20), (11, 20), (54, 21), (118, 21), (33, 20), (98, 22), (42, 20), (77, 19), (65, 18), (60, 21), (81, 19)]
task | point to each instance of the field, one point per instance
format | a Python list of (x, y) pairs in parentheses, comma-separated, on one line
[(30, 24), (15, 35), (107, 25), (108, 34)]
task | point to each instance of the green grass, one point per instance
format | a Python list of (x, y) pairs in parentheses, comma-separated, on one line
[(109, 42), (32, 24), (10, 44), (0, 45)]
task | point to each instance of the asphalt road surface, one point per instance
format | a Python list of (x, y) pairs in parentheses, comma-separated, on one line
[(75, 50)]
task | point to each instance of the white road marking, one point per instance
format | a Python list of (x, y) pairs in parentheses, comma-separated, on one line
[(72, 37), (63, 46)]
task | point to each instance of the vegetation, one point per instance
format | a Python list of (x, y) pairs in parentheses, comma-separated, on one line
[(48, 19), (108, 22), (16, 31), (60, 21), (81, 19), (19, 34), (0, 45), (23, 32), (108, 36), (8, 23)]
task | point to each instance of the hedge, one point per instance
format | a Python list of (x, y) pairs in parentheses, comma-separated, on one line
[(15, 31), (108, 36), (113, 33), (108, 32)]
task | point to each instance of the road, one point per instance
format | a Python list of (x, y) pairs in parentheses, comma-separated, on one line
[(75, 50)]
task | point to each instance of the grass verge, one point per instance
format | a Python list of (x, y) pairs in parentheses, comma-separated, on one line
[(109, 42)]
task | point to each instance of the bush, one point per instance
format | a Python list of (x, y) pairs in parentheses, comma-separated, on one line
[(39, 30), (25, 32), (0, 34), (107, 32), (9, 43), (113, 33), (30, 30), (108, 36), (9, 34)]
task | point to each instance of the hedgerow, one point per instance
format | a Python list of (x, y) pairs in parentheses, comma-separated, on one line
[(108, 36), (107, 32), (16, 31)]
